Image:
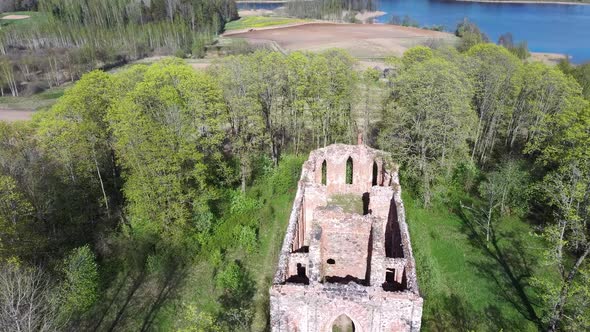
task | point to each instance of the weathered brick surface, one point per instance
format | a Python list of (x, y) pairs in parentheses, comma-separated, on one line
[(345, 256), (343, 231)]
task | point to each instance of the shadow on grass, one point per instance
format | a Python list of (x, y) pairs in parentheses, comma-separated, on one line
[(510, 269), (135, 298), (451, 313)]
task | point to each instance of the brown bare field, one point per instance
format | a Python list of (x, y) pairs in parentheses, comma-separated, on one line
[(547, 58), (15, 115), (360, 40)]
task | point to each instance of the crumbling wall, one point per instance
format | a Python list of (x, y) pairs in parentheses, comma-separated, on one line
[(296, 309), (338, 259), (363, 159), (344, 244)]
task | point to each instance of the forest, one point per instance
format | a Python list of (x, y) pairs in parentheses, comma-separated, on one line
[(67, 38), (156, 197), (328, 9)]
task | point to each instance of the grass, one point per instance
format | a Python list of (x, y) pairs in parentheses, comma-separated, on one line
[(265, 207), (34, 17), (468, 284), (35, 102), (250, 22), (350, 203)]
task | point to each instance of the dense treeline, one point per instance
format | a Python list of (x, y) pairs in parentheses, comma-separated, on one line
[(18, 5), (127, 202), (580, 72), (287, 103), (328, 9), (73, 37), (513, 134), (139, 165)]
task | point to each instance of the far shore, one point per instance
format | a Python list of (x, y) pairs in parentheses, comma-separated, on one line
[(262, 1), (258, 1), (368, 16), (528, 2)]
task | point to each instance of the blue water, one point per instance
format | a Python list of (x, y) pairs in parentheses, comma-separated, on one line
[(546, 27), (259, 5)]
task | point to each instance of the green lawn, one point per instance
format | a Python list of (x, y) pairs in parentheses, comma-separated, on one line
[(468, 284), (250, 22), (35, 102), (34, 17)]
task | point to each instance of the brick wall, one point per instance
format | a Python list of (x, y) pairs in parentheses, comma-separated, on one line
[(336, 261)]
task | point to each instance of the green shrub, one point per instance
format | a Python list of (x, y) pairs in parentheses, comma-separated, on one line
[(79, 290), (241, 203), (247, 239), (180, 53), (286, 175)]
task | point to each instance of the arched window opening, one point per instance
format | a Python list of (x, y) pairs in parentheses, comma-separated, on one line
[(324, 172), (343, 323), (349, 170), (375, 173), (393, 237)]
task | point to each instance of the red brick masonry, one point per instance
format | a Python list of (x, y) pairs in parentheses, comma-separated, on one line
[(340, 259)]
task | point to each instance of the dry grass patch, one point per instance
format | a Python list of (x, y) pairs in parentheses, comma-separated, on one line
[(14, 17)]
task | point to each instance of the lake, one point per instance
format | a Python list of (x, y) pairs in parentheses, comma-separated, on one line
[(549, 28)]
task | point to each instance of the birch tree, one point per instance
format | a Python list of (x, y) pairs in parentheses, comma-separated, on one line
[(428, 122), (496, 74), (545, 91), (75, 132), (247, 124), (562, 143), (27, 300), (167, 133)]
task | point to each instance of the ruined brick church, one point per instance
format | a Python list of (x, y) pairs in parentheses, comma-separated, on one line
[(346, 262)]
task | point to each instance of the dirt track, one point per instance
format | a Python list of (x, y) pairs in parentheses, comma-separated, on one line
[(361, 40), (15, 115), (15, 17)]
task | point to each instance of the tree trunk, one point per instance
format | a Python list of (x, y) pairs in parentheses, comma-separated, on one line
[(243, 175), (104, 194), (489, 221), (557, 313)]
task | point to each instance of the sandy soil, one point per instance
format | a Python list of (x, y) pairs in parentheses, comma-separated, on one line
[(273, 27), (200, 65), (367, 17), (15, 17), (361, 40), (15, 115), (547, 58)]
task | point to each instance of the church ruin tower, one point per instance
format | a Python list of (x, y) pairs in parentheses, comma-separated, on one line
[(346, 263)]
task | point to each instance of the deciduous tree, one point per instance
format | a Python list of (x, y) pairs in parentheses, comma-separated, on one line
[(428, 122)]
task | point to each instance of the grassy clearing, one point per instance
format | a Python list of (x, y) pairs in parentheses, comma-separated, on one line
[(35, 102), (34, 17), (350, 203), (265, 208), (468, 284), (250, 22)]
